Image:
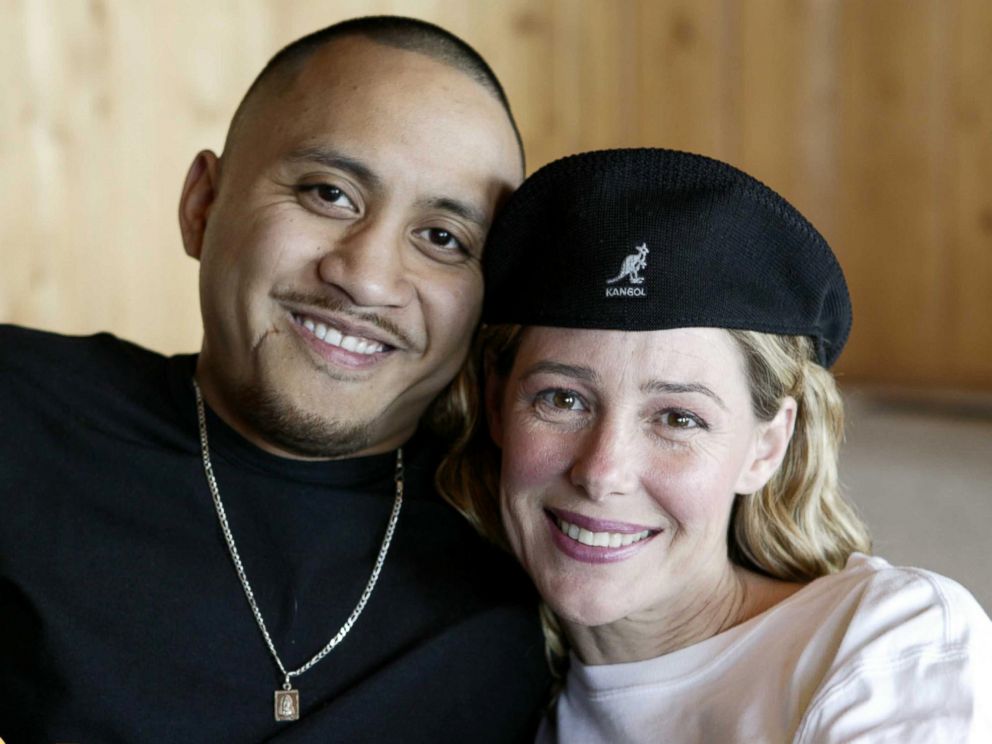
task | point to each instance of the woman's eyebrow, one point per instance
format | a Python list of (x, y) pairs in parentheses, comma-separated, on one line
[(586, 374), (565, 370), (663, 386)]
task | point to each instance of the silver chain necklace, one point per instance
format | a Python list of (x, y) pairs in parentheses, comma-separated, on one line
[(287, 700)]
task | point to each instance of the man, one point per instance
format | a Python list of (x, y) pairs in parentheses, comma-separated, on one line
[(208, 548)]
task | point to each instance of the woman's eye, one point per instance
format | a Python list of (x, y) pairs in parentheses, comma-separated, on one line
[(562, 400), (680, 420)]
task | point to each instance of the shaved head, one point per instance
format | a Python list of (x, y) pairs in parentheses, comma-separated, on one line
[(402, 33)]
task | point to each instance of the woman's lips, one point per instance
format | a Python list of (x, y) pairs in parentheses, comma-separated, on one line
[(595, 540), (599, 525)]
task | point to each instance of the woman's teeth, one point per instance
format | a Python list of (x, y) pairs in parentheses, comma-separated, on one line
[(334, 337), (600, 539)]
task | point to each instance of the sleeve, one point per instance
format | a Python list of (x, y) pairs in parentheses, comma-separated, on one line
[(916, 666)]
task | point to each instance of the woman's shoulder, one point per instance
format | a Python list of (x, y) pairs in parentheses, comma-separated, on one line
[(909, 601), (870, 593), (911, 646), (874, 614)]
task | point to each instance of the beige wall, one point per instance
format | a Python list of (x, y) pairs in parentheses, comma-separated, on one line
[(873, 116)]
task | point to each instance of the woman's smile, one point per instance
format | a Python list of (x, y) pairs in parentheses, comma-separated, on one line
[(595, 540)]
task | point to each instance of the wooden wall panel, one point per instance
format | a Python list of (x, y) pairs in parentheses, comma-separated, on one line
[(684, 96), (891, 235), (967, 341), (873, 116), (787, 90)]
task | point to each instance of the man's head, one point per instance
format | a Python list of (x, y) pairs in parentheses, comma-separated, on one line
[(340, 232)]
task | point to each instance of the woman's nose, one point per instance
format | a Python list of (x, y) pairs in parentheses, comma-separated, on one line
[(606, 463)]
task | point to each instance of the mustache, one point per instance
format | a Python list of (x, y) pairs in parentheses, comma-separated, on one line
[(342, 308)]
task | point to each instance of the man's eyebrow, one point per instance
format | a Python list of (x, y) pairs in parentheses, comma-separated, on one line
[(565, 370), (661, 386), (334, 159), (463, 209)]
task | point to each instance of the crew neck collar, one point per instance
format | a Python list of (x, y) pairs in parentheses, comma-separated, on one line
[(607, 679), (228, 445)]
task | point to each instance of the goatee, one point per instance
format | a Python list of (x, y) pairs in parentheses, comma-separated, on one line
[(299, 432)]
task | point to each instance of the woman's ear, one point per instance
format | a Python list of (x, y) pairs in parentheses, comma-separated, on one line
[(494, 386), (770, 445)]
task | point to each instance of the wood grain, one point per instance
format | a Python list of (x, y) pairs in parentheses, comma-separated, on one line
[(873, 116)]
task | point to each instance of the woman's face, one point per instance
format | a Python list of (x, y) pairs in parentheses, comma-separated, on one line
[(621, 456)]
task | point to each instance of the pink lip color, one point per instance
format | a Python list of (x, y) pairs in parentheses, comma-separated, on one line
[(587, 553), (335, 354), (600, 525)]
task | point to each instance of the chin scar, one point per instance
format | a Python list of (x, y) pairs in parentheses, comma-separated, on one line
[(261, 339)]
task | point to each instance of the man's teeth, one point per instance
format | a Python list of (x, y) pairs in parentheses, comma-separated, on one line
[(334, 337), (600, 539)]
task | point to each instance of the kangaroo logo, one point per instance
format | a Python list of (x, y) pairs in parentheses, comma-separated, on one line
[(632, 265)]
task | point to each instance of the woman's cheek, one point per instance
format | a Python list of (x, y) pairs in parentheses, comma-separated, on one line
[(693, 491), (531, 460)]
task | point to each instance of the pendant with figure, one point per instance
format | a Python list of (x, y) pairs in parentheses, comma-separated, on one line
[(287, 705)]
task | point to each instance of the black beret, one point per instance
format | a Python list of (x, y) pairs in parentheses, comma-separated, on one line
[(650, 239)]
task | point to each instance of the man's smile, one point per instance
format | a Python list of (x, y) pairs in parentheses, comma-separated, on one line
[(333, 336), (340, 346)]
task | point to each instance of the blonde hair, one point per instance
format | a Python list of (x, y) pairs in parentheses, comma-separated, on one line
[(798, 526), (468, 476)]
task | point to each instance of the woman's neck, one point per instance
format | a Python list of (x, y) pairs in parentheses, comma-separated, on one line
[(735, 597)]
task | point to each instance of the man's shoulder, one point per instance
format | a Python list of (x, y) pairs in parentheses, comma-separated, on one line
[(99, 374), (37, 353)]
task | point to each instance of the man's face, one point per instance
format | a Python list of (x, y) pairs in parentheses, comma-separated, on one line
[(339, 239)]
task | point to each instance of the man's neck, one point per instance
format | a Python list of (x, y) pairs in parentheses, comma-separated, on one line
[(227, 409)]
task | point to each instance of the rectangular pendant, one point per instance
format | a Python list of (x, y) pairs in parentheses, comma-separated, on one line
[(287, 705)]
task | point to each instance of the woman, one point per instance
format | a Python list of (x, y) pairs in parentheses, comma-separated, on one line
[(664, 465)]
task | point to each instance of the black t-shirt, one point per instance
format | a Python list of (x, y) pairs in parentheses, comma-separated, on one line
[(122, 618)]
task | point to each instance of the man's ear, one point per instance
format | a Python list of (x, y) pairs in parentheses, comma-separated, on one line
[(770, 446), (493, 388), (199, 192)]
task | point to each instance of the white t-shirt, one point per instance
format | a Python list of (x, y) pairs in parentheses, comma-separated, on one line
[(873, 653)]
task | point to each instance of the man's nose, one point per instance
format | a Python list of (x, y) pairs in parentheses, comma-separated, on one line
[(370, 264), (606, 463)]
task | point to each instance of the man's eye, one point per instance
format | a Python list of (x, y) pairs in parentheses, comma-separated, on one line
[(443, 239), (562, 400), (329, 195)]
